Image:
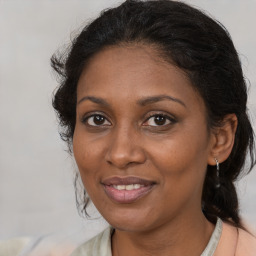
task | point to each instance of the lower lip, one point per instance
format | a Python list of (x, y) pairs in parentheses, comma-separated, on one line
[(126, 196)]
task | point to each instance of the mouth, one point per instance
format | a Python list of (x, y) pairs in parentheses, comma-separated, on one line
[(126, 190)]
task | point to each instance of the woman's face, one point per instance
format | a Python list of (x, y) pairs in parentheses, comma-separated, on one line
[(141, 140)]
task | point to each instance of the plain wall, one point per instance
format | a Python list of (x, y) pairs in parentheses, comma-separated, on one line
[(36, 174)]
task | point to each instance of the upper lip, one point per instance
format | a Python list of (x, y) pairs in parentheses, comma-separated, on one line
[(126, 181)]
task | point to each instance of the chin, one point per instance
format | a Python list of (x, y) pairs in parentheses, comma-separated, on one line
[(133, 220)]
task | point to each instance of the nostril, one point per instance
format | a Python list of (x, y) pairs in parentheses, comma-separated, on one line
[(119, 160), (125, 156), (125, 148)]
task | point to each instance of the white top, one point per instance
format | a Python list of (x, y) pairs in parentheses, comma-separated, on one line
[(101, 244), (226, 240)]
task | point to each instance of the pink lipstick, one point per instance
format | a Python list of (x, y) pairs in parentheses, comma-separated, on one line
[(126, 190)]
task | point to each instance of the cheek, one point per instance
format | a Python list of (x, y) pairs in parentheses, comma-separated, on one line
[(181, 164), (87, 154), (86, 148), (181, 158)]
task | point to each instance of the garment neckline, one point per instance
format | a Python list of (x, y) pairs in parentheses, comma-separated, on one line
[(212, 244), (214, 240)]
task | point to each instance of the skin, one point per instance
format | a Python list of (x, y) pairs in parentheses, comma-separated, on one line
[(129, 142)]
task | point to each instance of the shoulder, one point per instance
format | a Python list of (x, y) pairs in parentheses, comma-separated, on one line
[(235, 241), (98, 245), (246, 244), (13, 247)]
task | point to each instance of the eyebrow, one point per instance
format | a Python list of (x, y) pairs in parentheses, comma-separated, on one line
[(95, 100), (143, 102), (154, 99)]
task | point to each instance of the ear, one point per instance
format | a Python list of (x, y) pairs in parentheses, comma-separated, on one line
[(223, 138)]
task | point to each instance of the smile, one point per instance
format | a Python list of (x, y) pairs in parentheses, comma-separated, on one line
[(128, 187), (126, 190)]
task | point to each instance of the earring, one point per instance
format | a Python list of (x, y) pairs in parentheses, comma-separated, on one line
[(218, 172)]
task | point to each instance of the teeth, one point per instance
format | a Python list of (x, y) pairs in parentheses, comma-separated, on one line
[(128, 187), (136, 186), (119, 187)]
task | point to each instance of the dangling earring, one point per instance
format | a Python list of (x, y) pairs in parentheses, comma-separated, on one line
[(218, 172)]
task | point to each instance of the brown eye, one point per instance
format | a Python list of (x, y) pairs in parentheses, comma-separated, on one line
[(97, 120), (159, 120)]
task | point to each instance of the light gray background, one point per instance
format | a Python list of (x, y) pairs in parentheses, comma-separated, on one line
[(36, 174)]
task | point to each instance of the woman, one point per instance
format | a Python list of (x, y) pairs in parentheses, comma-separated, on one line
[(153, 105)]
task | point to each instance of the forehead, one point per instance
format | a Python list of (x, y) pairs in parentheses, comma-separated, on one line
[(132, 72)]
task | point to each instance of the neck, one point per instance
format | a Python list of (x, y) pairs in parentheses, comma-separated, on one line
[(183, 236)]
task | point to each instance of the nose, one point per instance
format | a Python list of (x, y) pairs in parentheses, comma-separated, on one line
[(125, 148)]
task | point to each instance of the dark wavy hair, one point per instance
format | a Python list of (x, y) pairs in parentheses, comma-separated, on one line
[(197, 44)]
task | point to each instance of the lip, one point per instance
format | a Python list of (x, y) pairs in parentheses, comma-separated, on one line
[(126, 196), (116, 180)]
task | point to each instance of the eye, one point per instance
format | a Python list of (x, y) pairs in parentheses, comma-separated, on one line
[(96, 120), (159, 120)]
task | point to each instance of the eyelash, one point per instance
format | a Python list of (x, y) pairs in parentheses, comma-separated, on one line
[(86, 118), (167, 117), (155, 115)]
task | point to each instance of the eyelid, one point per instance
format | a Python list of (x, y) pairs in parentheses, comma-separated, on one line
[(86, 116), (169, 117)]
